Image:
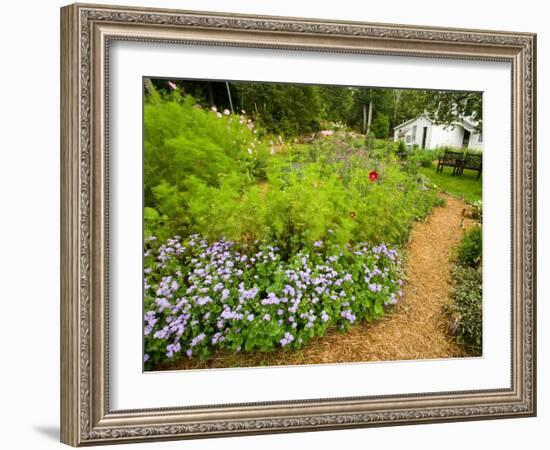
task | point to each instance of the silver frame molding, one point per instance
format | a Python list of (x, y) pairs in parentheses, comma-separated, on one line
[(86, 33)]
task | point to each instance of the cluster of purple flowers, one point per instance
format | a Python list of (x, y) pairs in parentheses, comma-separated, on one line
[(201, 296)]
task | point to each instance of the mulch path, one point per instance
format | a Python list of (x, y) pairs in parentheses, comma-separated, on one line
[(416, 328)]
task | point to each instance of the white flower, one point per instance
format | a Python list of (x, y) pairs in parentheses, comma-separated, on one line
[(226, 112), (214, 109)]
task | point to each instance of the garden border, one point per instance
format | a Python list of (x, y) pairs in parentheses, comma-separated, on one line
[(86, 32)]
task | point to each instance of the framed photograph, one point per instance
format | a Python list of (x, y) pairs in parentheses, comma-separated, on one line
[(276, 224)]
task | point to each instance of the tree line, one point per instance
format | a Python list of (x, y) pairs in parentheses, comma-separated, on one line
[(297, 109)]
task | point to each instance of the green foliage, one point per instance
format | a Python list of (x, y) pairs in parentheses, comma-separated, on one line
[(186, 146), (313, 196), (467, 307), (448, 107), (381, 126), (402, 149), (200, 298), (370, 142), (470, 249), (423, 156), (467, 294), (337, 103), (207, 172), (287, 109)]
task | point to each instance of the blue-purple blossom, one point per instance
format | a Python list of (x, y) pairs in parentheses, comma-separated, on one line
[(287, 339), (224, 289)]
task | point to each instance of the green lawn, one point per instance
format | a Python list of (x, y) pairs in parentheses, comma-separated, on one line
[(465, 185)]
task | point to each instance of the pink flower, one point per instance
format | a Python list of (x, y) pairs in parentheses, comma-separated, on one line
[(172, 85)]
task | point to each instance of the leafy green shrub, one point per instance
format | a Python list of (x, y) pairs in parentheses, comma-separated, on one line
[(287, 109), (200, 297), (402, 149), (382, 150), (335, 202), (470, 248), (370, 141), (187, 148), (381, 126), (424, 157), (466, 307)]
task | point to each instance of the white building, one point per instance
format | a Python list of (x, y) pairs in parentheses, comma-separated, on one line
[(424, 133)]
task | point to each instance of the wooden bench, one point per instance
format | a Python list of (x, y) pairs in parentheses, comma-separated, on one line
[(471, 161), (450, 159)]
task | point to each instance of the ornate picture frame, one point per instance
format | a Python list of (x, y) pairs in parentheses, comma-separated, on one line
[(87, 31)]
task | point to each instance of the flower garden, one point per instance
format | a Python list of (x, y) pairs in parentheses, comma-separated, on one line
[(254, 242)]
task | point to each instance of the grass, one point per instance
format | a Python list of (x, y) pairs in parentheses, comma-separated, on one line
[(465, 186)]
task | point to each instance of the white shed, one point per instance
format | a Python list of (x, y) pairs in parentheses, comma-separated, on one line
[(423, 132)]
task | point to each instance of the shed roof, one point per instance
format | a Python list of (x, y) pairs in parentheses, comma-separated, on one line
[(412, 120)]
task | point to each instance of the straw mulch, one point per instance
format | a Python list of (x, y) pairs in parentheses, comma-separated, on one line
[(415, 329)]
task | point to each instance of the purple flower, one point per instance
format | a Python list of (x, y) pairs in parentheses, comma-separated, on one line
[(375, 287), (197, 340), (225, 294), (348, 315), (287, 339)]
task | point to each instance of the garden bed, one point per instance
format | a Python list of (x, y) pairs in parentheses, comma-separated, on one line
[(260, 250)]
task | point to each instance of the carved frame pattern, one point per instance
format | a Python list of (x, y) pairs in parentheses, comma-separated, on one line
[(87, 31)]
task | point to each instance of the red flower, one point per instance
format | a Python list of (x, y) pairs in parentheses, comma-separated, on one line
[(373, 175)]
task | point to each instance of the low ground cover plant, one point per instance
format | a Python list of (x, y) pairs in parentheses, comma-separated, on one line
[(466, 307), (470, 249), (466, 304), (200, 296)]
